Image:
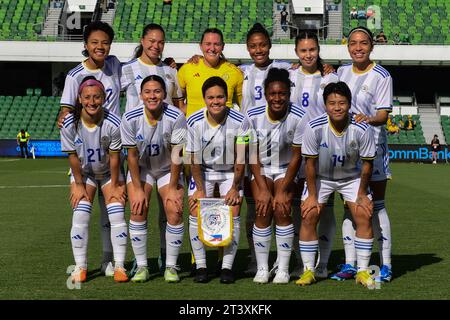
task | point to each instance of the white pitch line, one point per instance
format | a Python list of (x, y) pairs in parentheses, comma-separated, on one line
[(8, 160), (42, 186)]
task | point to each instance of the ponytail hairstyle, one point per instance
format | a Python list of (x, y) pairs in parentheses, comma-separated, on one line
[(155, 77), (152, 26), (363, 30), (96, 26), (310, 35), (86, 82), (216, 31), (259, 28)]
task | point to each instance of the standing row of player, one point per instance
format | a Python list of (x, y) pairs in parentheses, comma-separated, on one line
[(371, 86)]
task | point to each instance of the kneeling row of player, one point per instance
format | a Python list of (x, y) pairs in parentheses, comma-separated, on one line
[(154, 134)]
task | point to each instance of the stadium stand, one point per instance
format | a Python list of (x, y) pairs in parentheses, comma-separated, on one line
[(37, 114), (445, 123), (22, 19), (414, 136), (415, 22), (184, 21)]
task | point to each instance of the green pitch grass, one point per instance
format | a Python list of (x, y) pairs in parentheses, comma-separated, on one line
[(35, 245)]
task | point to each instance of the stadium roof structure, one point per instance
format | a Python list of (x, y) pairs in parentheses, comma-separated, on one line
[(335, 54)]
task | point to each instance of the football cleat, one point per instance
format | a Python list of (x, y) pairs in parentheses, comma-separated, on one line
[(321, 272), (274, 269), (120, 275), (347, 272), (281, 277), (107, 269), (251, 268), (262, 276), (307, 278), (78, 275), (171, 275), (201, 275), (385, 273), (141, 275), (364, 278), (226, 276)]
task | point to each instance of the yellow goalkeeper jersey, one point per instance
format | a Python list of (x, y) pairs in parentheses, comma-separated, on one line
[(192, 76)]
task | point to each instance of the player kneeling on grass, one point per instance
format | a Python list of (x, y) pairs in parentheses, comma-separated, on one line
[(154, 133), (217, 136), (275, 157), (91, 136), (334, 146)]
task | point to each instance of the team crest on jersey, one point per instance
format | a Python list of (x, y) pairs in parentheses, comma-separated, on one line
[(169, 77), (290, 135), (364, 88), (353, 145), (225, 76), (323, 85), (166, 137), (105, 141)]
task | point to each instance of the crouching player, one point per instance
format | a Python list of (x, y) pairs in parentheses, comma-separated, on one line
[(217, 136), (91, 136), (275, 157), (334, 146), (154, 133)]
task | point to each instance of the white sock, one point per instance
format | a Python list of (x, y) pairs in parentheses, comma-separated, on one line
[(229, 252), (284, 236), (174, 240), (198, 248), (348, 236), (138, 236), (119, 236), (249, 222), (363, 252), (162, 219), (382, 231), (79, 234), (327, 231), (308, 251), (105, 229), (261, 240), (296, 220)]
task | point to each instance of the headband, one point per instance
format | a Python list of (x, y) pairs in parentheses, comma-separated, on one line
[(91, 82), (361, 30)]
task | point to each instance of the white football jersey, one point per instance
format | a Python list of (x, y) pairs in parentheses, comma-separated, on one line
[(153, 142), (216, 144), (276, 137), (371, 91), (109, 75), (253, 85), (307, 90), (338, 153), (92, 145), (134, 71)]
